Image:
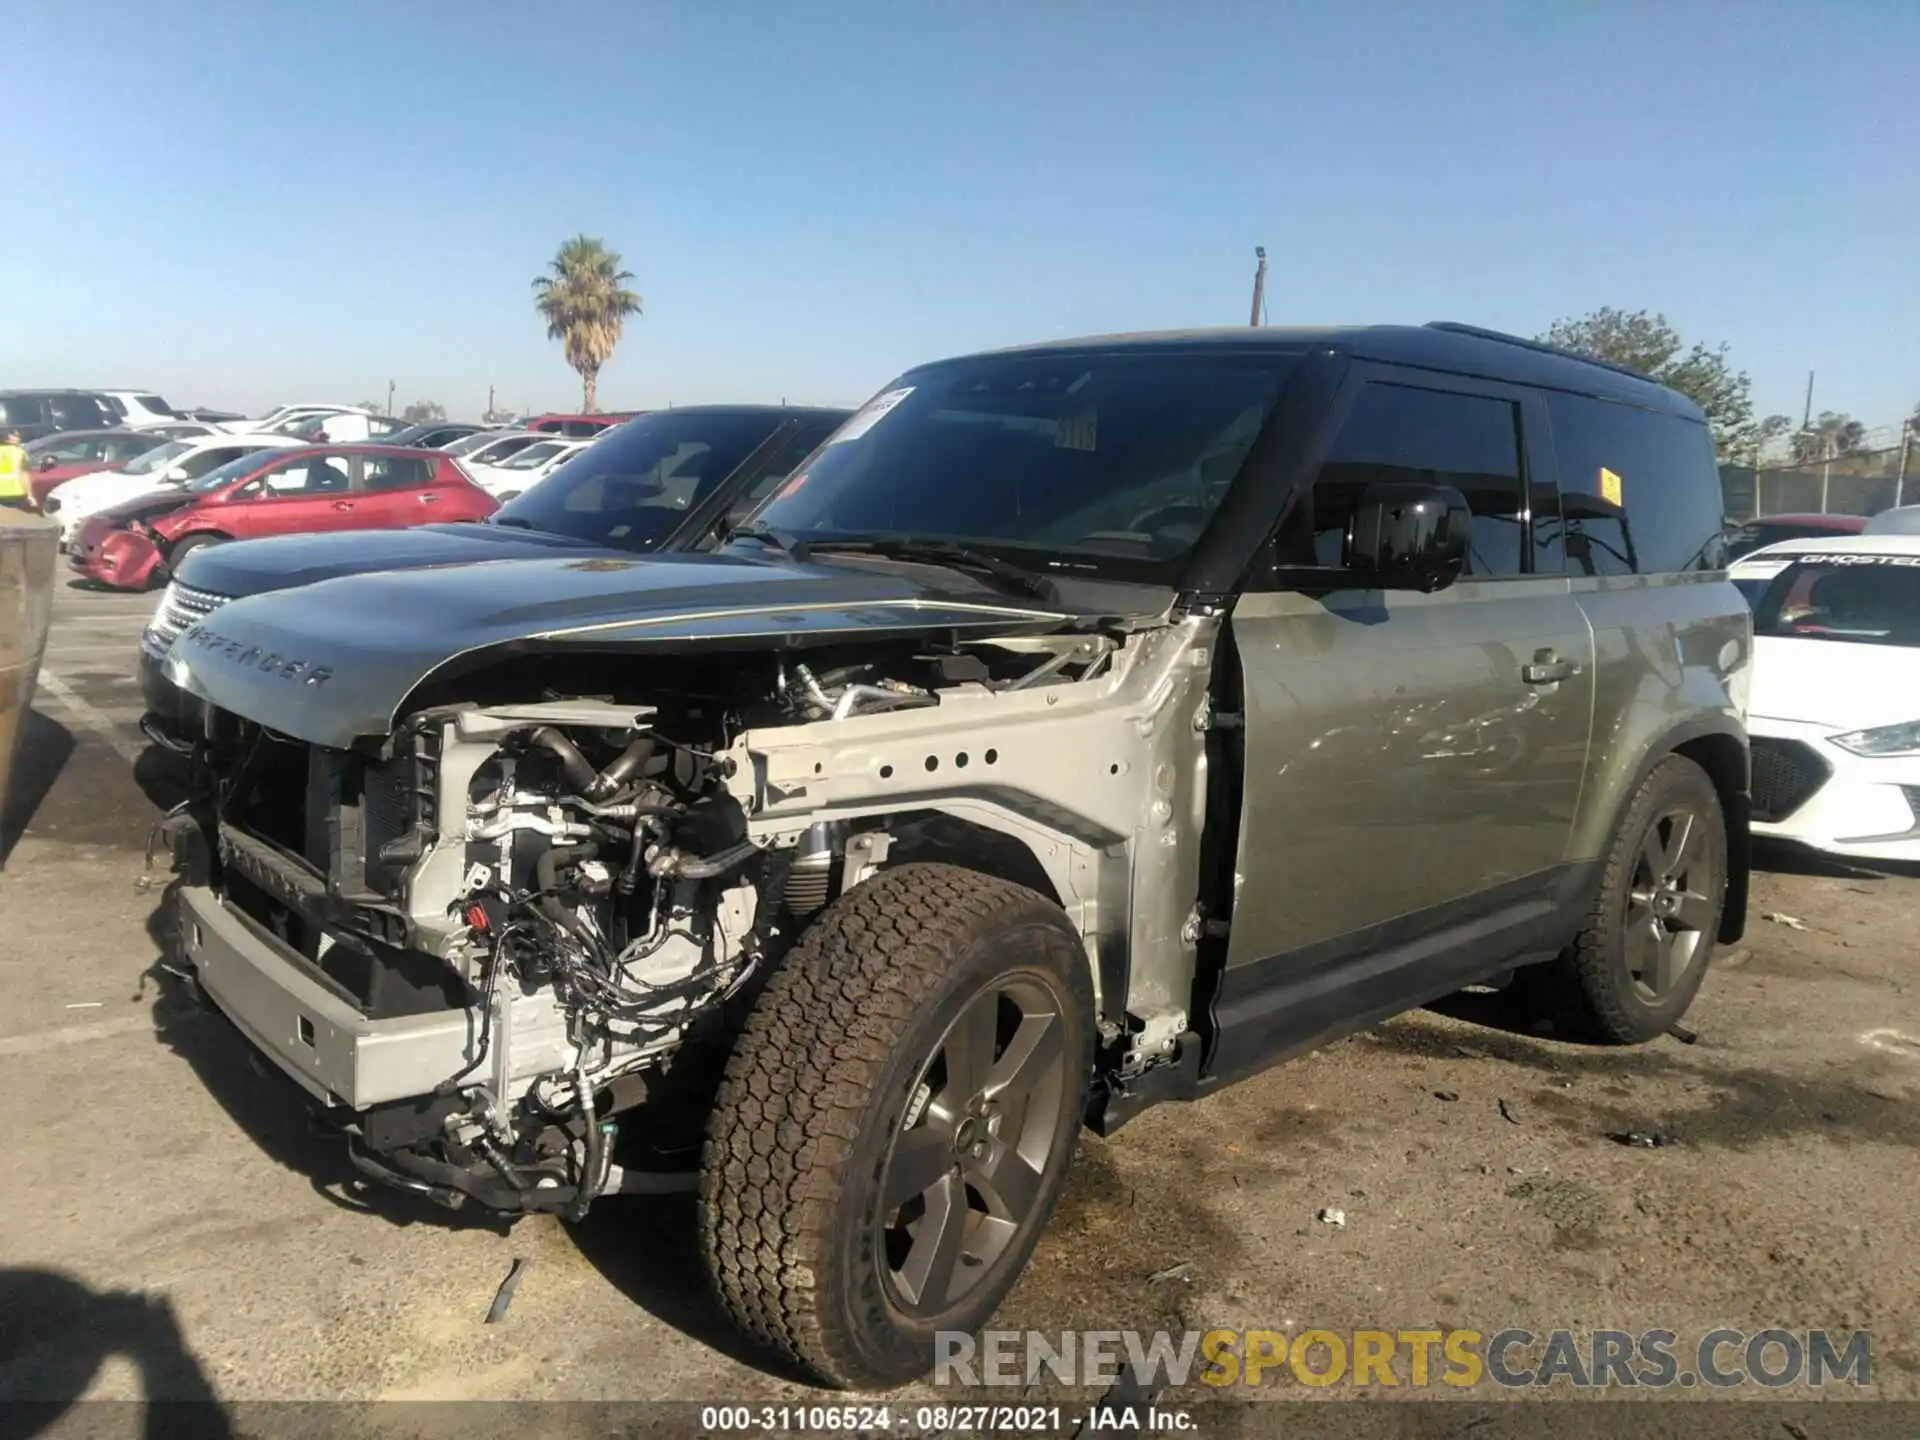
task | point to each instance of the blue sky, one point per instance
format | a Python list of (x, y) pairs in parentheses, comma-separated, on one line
[(241, 203)]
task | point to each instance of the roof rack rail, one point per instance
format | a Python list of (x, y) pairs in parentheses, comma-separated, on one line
[(1455, 327)]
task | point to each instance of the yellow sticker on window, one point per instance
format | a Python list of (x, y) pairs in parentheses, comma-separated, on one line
[(1609, 486)]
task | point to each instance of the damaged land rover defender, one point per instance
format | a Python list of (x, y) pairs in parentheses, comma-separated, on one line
[(1079, 727)]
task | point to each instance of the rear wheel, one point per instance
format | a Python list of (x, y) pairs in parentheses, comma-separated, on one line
[(1639, 960), (897, 1121)]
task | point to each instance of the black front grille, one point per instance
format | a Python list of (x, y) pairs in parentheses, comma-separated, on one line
[(1786, 773)]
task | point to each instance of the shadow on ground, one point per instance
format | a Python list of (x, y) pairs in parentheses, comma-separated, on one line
[(1779, 858), (55, 1335), (45, 746)]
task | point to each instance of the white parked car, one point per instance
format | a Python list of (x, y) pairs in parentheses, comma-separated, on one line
[(346, 427), (473, 444), (1834, 712), (282, 416), (181, 429), (494, 449), (137, 409), (177, 463), (522, 469)]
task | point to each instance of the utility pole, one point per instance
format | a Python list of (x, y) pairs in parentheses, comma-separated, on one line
[(1826, 472), (1806, 415), (1906, 449), (389, 397), (489, 415), (1259, 286)]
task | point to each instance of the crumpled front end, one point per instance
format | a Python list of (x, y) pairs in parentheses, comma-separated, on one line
[(124, 559)]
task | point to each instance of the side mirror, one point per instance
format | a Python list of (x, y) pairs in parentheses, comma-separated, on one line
[(1409, 537), (48, 462)]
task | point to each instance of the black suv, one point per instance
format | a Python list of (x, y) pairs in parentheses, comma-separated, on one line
[(35, 413)]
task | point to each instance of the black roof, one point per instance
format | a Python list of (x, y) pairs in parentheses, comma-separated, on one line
[(824, 411), (1441, 345)]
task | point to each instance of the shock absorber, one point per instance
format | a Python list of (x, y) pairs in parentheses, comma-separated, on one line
[(810, 880)]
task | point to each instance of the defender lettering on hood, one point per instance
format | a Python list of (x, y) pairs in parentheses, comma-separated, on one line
[(266, 662)]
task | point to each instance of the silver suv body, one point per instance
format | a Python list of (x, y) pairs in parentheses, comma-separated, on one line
[(1079, 727)]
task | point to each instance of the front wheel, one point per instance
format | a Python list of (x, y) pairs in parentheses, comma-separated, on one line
[(897, 1121), (185, 548)]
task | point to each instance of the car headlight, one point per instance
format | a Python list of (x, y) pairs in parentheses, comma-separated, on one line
[(1901, 739)]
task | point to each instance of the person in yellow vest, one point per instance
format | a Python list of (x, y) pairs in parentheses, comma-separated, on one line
[(14, 465)]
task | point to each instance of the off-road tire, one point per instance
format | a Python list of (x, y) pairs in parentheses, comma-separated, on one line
[(1588, 990), (817, 1088)]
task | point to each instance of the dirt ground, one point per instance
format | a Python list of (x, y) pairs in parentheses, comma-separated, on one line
[(172, 1229)]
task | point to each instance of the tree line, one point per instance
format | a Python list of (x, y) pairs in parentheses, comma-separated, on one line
[(1649, 344)]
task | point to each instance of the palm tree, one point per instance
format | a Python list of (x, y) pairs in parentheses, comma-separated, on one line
[(585, 302)]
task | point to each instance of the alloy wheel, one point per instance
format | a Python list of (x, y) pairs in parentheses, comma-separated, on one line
[(965, 1173), (1670, 908)]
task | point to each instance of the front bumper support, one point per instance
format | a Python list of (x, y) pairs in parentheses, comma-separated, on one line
[(306, 1028)]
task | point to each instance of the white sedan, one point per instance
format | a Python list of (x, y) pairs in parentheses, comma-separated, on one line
[(176, 464), (521, 469), (1835, 706)]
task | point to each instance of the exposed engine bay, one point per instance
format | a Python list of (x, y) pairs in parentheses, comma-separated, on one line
[(571, 896)]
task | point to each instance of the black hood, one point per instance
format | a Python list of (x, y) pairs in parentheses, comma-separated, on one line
[(149, 506), (253, 567), (334, 661)]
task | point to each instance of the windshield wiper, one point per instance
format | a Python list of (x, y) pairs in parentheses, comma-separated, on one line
[(497, 519), (933, 552)]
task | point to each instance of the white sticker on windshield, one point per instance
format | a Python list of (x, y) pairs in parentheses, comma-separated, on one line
[(1760, 569), (869, 415)]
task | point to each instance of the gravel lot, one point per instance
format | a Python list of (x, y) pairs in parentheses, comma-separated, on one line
[(172, 1228)]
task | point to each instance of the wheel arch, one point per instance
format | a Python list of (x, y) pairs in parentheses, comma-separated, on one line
[(1718, 745)]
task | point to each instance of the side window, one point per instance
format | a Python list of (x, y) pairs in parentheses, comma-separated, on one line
[(394, 472), (1639, 490), (22, 410), (1397, 433), (317, 475)]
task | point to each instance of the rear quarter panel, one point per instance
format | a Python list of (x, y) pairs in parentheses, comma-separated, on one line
[(1671, 658)]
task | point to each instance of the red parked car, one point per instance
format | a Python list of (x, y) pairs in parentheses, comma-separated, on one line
[(68, 454), (579, 427), (275, 492), (1772, 529)]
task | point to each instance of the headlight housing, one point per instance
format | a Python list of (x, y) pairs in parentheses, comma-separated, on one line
[(1901, 739), (160, 609)]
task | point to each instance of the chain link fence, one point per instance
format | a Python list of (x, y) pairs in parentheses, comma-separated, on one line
[(1861, 482)]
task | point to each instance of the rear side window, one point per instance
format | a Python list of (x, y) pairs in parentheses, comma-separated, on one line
[(77, 412), (1400, 434), (155, 404), (395, 472), (21, 410), (1639, 491)]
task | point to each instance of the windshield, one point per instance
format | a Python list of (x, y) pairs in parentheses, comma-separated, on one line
[(533, 455), (633, 488), (232, 470), (1863, 599), (467, 444), (155, 404), (157, 459), (1112, 461)]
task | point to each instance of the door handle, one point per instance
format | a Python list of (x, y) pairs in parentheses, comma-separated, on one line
[(343, 504), (428, 499), (1548, 669)]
